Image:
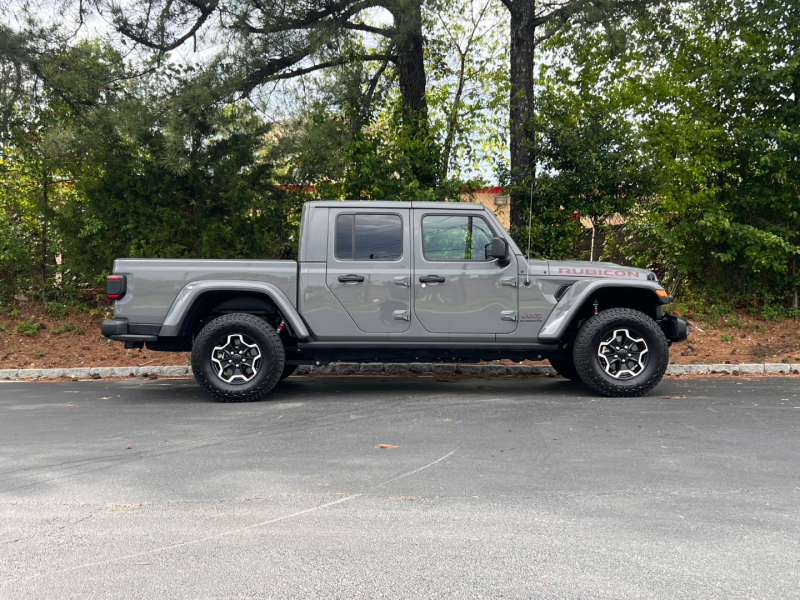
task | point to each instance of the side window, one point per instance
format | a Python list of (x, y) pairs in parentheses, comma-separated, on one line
[(369, 237), (450, 237)]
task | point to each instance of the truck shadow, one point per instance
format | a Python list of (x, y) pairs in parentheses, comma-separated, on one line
[(322, 389)]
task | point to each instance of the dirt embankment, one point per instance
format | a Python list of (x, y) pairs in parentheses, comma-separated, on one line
[(32, 339)]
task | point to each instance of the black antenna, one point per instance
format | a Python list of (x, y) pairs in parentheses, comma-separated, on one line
[(530, 214), (533, 167)]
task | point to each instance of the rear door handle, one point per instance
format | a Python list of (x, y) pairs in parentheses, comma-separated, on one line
[(431, 279), (351, 278)]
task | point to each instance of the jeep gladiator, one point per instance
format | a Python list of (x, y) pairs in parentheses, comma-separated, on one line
[(401, 282)]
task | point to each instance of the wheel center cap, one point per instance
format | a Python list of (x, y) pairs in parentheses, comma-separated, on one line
[(623, 353), (237, 358)]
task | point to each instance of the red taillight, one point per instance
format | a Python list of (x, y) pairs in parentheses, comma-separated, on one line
[(115, 286)]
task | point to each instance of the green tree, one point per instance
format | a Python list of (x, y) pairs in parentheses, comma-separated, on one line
[(102, 163), (722, 120), (588, 144), (533, 22), (270, 42)]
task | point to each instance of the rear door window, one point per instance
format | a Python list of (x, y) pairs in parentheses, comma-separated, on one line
[(369, 237)]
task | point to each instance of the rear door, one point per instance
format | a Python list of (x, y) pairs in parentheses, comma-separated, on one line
[(457, 289), (369, 266)]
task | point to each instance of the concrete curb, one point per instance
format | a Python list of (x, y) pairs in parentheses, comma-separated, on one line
[(388, 368)]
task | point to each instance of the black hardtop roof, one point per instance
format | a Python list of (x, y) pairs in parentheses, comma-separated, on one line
[(394, 204)]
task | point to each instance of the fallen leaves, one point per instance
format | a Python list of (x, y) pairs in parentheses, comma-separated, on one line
[(385, 446), (70, 406)]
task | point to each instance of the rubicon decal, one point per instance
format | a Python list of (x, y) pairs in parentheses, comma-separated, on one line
[(604, 272)]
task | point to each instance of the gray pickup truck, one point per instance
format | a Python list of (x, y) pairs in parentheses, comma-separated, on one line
[(400, 282)]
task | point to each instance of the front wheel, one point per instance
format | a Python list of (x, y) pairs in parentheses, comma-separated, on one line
[(237, 358), (621, 352)]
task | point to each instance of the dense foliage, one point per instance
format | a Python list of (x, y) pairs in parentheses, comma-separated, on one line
[(197, 129), (721, 122)]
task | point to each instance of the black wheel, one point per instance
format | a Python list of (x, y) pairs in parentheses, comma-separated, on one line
[(566, 368), (621, 352), (237, 358), (288, 370)]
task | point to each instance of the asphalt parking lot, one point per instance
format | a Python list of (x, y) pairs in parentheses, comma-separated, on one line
[(485, 488)]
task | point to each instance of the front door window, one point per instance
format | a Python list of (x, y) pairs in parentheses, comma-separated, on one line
[(452, 237)]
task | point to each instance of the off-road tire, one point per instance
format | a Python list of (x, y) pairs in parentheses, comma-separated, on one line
[(598, 329), (566, 368), (215, 334), (288, 370)]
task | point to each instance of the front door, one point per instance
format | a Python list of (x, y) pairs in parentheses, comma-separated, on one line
[(369, 267), (457, 289)]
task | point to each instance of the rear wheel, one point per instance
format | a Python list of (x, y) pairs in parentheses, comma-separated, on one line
[(237, 358), (621, 352), (566, 368)]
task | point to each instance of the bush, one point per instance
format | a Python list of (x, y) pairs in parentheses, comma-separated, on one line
[(56, 310), (28, 327), (63, 328)]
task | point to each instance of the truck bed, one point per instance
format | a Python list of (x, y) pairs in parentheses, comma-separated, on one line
[(154, 284)]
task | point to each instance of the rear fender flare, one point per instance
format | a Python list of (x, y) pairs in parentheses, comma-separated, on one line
[(192, 291), (571, 302)]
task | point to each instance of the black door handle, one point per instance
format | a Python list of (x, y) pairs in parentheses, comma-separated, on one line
[(431, 279), (351, 278)]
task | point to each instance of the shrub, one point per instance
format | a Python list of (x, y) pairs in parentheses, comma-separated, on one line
[(56, 310), (63, 328), (28, 327)]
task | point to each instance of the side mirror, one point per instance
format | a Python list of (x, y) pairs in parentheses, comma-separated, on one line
[(497, 249)]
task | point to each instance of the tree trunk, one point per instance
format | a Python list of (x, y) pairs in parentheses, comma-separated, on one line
[(411, 77), (521, 101)]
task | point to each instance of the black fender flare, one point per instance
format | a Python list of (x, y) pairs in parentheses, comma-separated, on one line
[(563, 312), (186, 298)]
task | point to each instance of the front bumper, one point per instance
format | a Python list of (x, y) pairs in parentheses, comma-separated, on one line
[(675, 327)]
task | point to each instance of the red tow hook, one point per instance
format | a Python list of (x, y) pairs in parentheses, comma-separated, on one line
[(280, 327)]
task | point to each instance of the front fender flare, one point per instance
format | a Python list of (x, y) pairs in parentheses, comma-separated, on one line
[(192, 291), (571, 302)]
